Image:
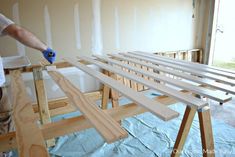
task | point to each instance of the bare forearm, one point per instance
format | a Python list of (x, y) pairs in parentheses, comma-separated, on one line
[(25, 37), (30, 40)]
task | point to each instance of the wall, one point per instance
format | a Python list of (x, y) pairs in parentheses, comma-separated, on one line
[(78, 27)]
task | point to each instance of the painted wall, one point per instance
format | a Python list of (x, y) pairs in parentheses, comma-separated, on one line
[(76, 27)]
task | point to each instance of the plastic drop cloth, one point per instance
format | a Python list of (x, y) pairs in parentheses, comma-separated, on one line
[(148, 137)]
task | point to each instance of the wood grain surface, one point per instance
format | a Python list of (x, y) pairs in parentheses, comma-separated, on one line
[(104, 124), (211, 83), (155, 107), (29, 137)]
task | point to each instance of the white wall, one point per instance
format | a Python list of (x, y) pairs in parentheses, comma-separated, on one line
[(104, 26), (83, 27)]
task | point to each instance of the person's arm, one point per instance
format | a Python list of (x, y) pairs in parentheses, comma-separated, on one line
[(25, 37), (29, 39)]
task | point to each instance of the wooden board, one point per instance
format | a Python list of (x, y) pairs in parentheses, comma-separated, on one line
[(187, 99), (155, 107), (215, 95), (144, 76), (184, 69), (63, 101), (42, 100), (80, 123), (140, 87), (206, 133), (29, 137), (56, 129), (105, 95), (113, 93), (183, 131), (125, 80), (133, 83), (222, 69), (211, 83), (104, 124), (195, 65), (52, 104), (62, 106), (201, 67)]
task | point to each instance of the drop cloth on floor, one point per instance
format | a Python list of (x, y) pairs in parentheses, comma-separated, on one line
[(148, 137)]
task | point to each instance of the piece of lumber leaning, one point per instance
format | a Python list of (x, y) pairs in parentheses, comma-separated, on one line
[(104, 124), (29, 137), (42, 100), (155, 107)]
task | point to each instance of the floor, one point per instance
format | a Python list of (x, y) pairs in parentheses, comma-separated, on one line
[(224, 112), (151, 137)]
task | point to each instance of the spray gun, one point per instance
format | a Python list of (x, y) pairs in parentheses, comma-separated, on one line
[(50, 55)]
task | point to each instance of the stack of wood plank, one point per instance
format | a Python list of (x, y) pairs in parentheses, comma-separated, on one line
[(191, 83)]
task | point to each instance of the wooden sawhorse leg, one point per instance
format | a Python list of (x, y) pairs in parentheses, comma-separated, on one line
[(42, 101), (109, 92), (105, 97), (206, 133), (205, 128), (114, 94), (105, 94)]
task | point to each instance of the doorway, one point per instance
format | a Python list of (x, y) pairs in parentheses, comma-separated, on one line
[(223, 51)]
